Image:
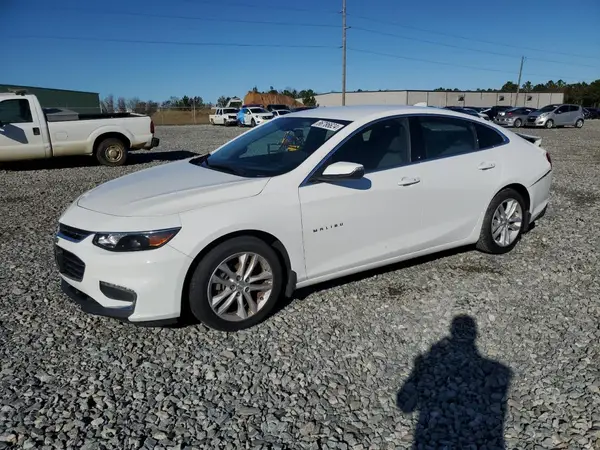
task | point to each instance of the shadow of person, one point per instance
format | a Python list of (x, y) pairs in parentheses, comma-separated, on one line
[(460, 395)]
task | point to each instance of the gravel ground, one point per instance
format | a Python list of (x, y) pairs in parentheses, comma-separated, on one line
[(339, 366)]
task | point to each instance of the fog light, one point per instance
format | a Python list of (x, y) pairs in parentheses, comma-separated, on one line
[(117, 292)]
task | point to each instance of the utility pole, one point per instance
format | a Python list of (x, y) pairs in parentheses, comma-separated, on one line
[(343, 52), (519, 82)]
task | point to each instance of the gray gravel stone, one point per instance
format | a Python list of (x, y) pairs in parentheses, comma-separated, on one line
[(323, 372)]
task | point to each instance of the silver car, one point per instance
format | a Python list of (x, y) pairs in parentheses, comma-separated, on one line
[(556, 116), (514, 117)]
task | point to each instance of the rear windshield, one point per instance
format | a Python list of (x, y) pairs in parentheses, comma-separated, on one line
[(230, 111)]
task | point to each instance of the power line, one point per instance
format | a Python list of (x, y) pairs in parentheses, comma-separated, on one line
[(263, 6), (409, 58), (184, 43), (195, 18), (386, 22), (461, 47)]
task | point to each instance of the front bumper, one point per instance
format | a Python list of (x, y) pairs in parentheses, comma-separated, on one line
[(153, 279), (505, 121), (538, 122)]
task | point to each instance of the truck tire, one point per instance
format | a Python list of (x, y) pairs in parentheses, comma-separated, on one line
[(111, 152)]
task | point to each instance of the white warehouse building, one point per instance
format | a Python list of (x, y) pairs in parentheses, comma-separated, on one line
[(441, 98)]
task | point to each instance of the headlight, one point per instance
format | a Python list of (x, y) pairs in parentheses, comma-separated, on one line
[(132, 242)]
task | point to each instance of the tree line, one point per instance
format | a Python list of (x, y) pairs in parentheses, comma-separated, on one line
[(582, 93)]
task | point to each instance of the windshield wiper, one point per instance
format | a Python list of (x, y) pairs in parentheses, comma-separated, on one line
[(223, 168)]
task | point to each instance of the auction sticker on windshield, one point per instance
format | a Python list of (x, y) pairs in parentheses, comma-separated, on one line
[(327, 125)]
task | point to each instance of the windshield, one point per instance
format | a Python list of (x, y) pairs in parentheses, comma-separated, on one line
[(273, 148), (230, 111), (258, 110), (282, 112), (548, 108)]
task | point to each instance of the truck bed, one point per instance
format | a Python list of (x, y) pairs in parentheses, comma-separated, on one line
[(65, 115)]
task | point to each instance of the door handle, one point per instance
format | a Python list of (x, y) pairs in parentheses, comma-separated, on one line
[(408, 181), (486, 166)]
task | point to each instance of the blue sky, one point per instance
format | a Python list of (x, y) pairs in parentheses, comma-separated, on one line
[(31, 54)]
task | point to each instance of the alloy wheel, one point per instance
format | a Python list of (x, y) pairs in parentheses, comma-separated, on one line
[(507, 222), (240, 286)]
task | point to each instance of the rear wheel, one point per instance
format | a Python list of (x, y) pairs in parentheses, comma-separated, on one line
[(518, 123), (579, 123), (212, 122), (503, 223), (111, 152), (236, 284), (549, 123)]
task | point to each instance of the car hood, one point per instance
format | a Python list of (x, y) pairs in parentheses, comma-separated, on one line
[(168, 189), (537, 113)]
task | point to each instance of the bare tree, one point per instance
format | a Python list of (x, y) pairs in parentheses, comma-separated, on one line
[(121, 104), (133, 104), (108, 104)]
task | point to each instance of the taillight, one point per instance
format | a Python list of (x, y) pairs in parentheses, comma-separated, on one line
[(549, 159), (152, 127)]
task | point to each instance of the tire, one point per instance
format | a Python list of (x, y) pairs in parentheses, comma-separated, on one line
[(486, 242), (111, 152), (212, 122), (200, 285), (549, 124), (253, 123), (518, 123), (579, 123)]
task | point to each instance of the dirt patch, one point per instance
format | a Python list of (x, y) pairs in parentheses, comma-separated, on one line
[(579, 197)]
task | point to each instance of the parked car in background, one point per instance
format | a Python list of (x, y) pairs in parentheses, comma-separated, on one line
[(277, 107), (514, 117), (468, 111), (228, 234), (591, 113), (302, 108), (494, 110), (253, 116), (557, 115), (280, 112), (224, 116), (27, 131)]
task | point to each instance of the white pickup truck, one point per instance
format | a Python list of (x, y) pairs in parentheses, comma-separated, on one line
[(27, 131), (224, 116)]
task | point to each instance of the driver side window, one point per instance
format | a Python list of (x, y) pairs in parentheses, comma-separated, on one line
[(380, 146)]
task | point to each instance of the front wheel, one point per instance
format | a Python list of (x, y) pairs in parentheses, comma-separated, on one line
[(253, 123), (236, 284), (111, 152), (503, 223), (518, 123), (579, 123), (549, 123)]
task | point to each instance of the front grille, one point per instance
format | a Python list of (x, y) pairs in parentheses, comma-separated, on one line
[(71, 233), (531, 119), (69, 264)]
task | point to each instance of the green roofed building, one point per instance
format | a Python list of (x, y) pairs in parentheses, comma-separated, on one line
[(81, 102)]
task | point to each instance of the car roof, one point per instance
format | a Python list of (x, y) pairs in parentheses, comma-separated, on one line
[(369, 112)]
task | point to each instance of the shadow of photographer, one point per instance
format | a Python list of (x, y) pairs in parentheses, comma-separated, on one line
[(460, 395)]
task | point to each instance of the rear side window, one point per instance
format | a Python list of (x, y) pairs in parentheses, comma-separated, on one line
[(574, 108), (445, 136), (15, 111), (487, 137)]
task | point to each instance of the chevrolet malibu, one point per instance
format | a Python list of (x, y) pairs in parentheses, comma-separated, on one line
[(304, 198)]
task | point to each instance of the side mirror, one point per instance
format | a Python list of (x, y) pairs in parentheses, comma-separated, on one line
[(342, 171)]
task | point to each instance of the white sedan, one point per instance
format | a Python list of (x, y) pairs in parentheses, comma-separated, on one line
[(309, 197)]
